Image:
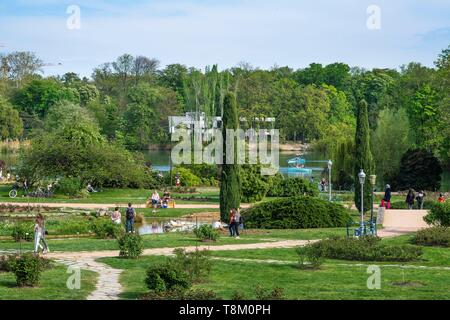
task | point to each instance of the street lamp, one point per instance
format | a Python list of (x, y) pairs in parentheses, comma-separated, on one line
[(373, 182), (330, 165), (362, 179)]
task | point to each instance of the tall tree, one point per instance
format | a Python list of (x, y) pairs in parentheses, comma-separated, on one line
[(363, 156), (11, 126), (230, 184)]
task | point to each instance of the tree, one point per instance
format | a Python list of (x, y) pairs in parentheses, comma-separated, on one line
[(11, 126), (419, 170), (20, 65), (230, 184), (390, 141), (363, 156)]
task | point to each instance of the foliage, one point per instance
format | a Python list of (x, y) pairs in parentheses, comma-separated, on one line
[(292, 187), (364, 249), (264, 294), (187, 177), (402, 205), (296, 213), (197, 264), (389, 142), (435, 236), (439, 215), (27, 269), (104, 228), (11, 125), (22, 231), (254, 186), (166, 277), (206, 232), (363, 157), (131, 245), (180, 294), (70, 187), (419, 170), (230, 183)]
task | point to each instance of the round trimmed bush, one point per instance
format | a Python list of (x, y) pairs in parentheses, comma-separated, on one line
[(131, 245), (166, 277), (296, 213)]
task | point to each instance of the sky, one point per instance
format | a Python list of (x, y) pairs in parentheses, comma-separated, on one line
[(198, 33)]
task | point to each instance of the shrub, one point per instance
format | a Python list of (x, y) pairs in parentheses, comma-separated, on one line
[(292, 187), (439, 215), (23, 231), (104, 228), (196, 264), (167, 277), (296, 213), (27, 269), (309, 258), (5, 263), (364, 249), (435, 236), (254, 186), (188, 179), (206, 233), (180, 294), (269, 294), (71, 187), (131, 245), (401, 205)]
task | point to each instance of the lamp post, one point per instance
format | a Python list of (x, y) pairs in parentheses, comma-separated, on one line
[(373, 182), (330, 165), (362, 179)]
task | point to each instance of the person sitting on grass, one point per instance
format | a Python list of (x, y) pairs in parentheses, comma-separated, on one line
[(166, 195), (116, 216), (155, 201)]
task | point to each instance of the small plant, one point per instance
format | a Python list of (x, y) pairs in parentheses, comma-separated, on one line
[(167, 277), (206, 233), (309, 258), (239, 295), (196, 264), (131, 245), (27, 269), (435, 236), (269, 294), (22, 231)]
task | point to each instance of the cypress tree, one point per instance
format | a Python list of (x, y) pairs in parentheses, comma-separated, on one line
[(363, 156), (230, 185)]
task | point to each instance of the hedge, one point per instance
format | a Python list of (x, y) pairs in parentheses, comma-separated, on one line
[(296, 213)]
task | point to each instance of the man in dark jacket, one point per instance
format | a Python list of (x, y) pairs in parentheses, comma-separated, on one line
[(130, 215), (386, 202)]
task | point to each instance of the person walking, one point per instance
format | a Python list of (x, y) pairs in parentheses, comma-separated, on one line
[(232, 222), (420, 200), (130, 215), (410, 199), (386, 202), (39, 235), (237, 222)]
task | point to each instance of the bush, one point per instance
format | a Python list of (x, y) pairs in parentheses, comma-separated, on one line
[(188, 179), (401, 205), (104, 228), (131, 245), (5, 263), (364, 249), (291, 187), (196, 264), (27, 269), (269, 294), (309, 258), (254, 186), (296, 213), (439, 215), (167, 277), (206, 233), (435, 236), (179, 294), (71, 187), (23, 231)]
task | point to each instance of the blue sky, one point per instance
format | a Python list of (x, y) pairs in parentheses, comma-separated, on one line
[(200, 32)]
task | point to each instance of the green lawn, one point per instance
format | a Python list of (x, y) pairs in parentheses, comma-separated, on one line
[(52, 286), (335, 280), (171, 240)]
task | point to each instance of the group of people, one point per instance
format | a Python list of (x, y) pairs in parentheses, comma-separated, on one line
[(158, 201), (130, 215), (411, 198), (236, 222)]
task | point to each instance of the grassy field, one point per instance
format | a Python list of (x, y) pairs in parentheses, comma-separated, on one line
[(172, 240), (340, 280), (52, 286)]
